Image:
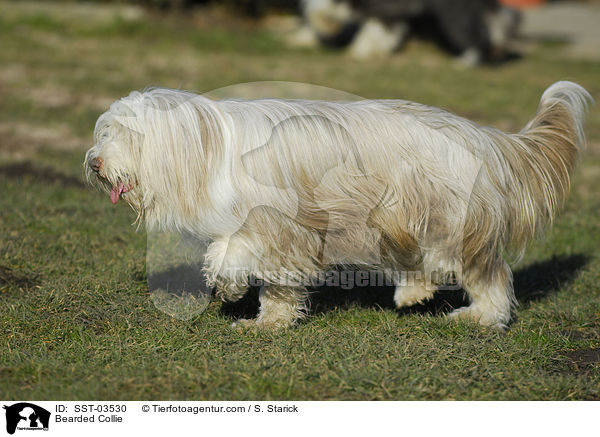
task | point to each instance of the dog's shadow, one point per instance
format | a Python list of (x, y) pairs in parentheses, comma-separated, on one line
[(540, 279), (45, 175), (532, 283)]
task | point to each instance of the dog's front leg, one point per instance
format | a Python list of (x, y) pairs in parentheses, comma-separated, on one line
[(280, 306), (227, 263), (230, 290)]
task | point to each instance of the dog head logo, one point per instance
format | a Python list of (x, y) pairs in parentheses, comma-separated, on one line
[(26, 416)]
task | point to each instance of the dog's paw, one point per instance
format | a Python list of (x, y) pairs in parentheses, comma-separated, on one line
[(409, 295), (244, 324), (473, 314), (229, 291)]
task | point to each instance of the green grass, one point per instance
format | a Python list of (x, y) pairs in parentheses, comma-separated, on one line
[(76, 319)]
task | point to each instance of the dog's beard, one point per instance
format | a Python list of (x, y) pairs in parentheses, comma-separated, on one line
[(115, 187)]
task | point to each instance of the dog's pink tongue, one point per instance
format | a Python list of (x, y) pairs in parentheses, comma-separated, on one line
[(115, 193)]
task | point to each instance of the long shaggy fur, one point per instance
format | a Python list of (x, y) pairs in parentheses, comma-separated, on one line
[(288, 188)]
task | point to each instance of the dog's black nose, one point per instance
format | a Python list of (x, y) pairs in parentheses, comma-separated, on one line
[(96, 164)]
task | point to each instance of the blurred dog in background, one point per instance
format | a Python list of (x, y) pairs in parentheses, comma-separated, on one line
[(475, 30)]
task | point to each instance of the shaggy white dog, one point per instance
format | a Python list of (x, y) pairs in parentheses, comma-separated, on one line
[(285, 189)]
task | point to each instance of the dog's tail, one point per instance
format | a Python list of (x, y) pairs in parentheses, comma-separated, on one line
[(540, 160)]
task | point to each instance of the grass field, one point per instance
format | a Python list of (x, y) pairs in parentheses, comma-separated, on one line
[(76, 319)]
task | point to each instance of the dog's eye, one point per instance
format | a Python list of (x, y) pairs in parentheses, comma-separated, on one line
[(102, 137)]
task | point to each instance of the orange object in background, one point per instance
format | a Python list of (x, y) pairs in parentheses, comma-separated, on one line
[(522, 4)]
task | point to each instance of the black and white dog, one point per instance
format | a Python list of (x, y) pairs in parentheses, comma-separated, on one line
[(476, 30)]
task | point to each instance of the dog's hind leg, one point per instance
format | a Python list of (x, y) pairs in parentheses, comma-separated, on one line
[(490, 290), (280, 306)]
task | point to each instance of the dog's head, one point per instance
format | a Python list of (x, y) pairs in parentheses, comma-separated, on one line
[(153, 150), (113, 162)]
